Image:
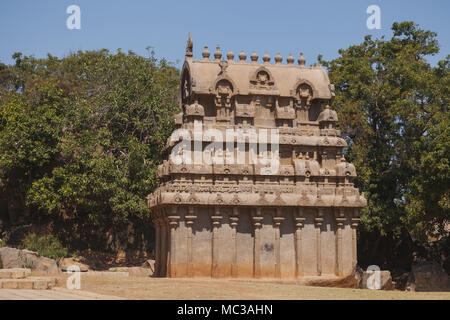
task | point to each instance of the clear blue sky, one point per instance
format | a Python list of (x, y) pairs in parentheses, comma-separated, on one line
[(38, 27)]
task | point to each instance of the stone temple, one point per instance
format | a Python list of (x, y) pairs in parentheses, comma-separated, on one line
[(244, 219)]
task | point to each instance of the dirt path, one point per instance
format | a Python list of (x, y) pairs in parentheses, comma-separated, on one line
[(207, 289), (54, 294)]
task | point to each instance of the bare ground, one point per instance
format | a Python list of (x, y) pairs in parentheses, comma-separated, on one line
[(208, 289)]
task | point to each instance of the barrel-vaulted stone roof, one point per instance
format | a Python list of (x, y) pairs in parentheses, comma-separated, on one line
[(205, 73)]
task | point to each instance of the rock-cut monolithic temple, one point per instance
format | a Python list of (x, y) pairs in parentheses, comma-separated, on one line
[(244, 219)]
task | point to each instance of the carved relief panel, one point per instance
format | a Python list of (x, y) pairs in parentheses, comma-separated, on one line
[(223, 99)]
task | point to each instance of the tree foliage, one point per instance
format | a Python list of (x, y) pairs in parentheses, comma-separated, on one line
[(82, 136), (393, 109), (46, 246)]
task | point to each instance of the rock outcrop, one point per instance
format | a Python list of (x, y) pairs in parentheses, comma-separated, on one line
[(428, 276), (15, 258), (66, 263)]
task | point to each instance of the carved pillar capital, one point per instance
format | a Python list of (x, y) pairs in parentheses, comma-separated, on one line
[(340, 221), (299, 218), (277, 221), (173, 221), (318, 220), (257, 218), (217, 217), (355, 222), (173, 218), (234, 218), (257, 222), (191, 217)]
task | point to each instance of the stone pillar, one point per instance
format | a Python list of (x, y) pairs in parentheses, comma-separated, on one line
[(354, 224), (173, 223), (299, 221), (318, 221), (190, 219), (257, 219), (157, 246), (164, 246), (233, 224), (276, 223), (216, 218), (340, 220)]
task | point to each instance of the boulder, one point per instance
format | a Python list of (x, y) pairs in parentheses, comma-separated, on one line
[(15, 258), (64, 265), (133, 271), (368, 280), (428, 276)]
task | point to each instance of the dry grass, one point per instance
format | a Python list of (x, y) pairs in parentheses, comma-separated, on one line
[(207, 289)]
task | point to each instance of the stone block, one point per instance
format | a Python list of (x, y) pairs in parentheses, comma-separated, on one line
[(369, 280), (24, 284), (15, 273)]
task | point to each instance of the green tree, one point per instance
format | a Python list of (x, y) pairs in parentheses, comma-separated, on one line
[(393, 109), (81, 136)]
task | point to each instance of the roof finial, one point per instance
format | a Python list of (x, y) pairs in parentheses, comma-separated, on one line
[(254, 57), (230, 56), (301, 59), (290, 59), (217, 54), (278, 59), (206, 53), (242, 56), (189, 47)]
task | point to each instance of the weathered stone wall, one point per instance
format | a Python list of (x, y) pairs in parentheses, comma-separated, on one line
[(249, 245)]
